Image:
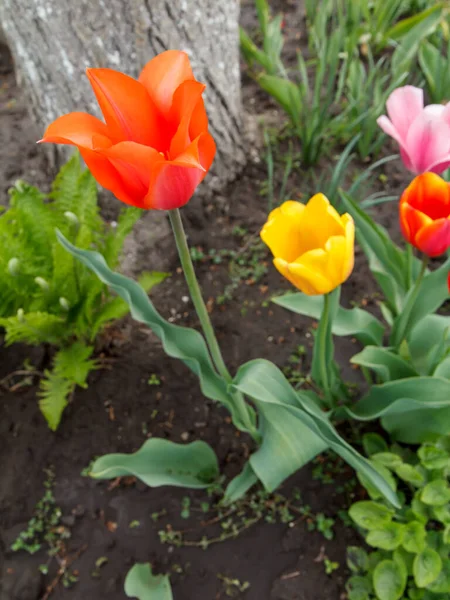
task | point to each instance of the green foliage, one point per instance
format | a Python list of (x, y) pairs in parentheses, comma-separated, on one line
[(49, 298), (433, 60), (140, 583), (411, 556)]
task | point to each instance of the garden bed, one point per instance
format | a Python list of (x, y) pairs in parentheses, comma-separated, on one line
[(138, 392)]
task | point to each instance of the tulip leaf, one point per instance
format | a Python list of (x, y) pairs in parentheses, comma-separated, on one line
[(162, 462), (355, 322), (385, 362), (412, 410), (239, 485), (140, 583), (404, 26), (283, 91), (179, 342), (267, 386), (429, 342), (323, 350), (433, 291), (386, 261)]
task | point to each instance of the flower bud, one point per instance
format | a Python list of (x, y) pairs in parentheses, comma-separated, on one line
[(72, 218), (21, 315), (63, 302), (13, 266), (42, 283)]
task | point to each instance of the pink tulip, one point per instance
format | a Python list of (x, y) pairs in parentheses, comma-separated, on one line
[(423, 133)]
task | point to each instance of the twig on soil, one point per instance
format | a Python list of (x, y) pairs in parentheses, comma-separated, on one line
[(64, 565)]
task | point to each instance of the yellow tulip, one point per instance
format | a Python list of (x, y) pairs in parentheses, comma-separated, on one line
[(313, 245)]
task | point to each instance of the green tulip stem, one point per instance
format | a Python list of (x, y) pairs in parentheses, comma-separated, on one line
[(413, 297), (196, 293), (323, 344)]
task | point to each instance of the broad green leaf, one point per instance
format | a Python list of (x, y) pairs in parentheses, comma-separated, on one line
[(412, 410), (404, 559), (443, 368), (433, 291), (263, 381), (441, 585), (433, 457), (389, 580), (357, 559), (183, 343), (414, 537), (442, 513), (161, 462), (388, 538), (410, 474), (426, 568), (140, 583), (436, 493), (358, 588), (384, 362), (428, 342), (239, 485), (388, 459), (283, 91), (373, 443), (355, 322), (404, 26), (420, 510), (370, 515), (375, 493)]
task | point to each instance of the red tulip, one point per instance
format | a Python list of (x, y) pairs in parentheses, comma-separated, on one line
[(154, 148), (425, 214)]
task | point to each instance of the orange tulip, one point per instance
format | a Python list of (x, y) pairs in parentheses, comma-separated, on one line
[(154, 148), (425, 214)]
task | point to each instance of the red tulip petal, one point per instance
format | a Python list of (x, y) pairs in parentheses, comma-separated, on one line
[(134, 164), (412, 221), (185, 101), (434, 239), (162, 76), (448, 282), (75, 129), (430, 194), (173, 183), (128, 109)]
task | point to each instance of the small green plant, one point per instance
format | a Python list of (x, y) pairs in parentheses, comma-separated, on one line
[(412, 544), (233, 586), (47, 297)]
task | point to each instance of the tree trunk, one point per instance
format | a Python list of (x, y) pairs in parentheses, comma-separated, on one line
[(53, 41)]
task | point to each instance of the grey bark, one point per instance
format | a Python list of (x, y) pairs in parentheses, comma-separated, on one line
[(53, 41)]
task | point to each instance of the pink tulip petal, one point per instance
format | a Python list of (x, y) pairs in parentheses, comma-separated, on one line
[(428, 142), (404, 105)]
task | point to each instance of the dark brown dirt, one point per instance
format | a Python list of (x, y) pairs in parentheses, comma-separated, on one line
[(119, 410)]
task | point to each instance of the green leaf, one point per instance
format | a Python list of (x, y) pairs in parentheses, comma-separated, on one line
[(419, 509), (358, 588), (442, 513), (412, 410), (54, 392), (267, 386), (432, 63), (441, 585), (436, 493), (183, 343), (389, 580), (73, 363), (404, 26), (140, 583), (373, 443), (161, 462), (370, 515), (388, 538), (426, 568), (355, 322), (374, 492), (357, 559), (283, 91), (34, 328), (388, 459), (414, 537), (429, 342), (433, 291), (239, 485), (384, 362), (410, 474), (433, 457)]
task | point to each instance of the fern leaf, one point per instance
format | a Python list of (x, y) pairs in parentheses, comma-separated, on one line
[(73, 363), (64, 188), (54, 396), (116, 237), (34, 328)]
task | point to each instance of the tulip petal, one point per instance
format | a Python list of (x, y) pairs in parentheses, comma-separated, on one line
[(75, 129), (163, 74), (428, 140), (283, 231), (434, 239), (310, 273), (185, 100), (429, 194), (412, 221), (319, 222), (128, 109), (173, 183), (404, 105)]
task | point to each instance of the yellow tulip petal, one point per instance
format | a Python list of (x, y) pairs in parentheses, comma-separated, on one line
[(319, 222), (283, 232), (349, 227), (309, 273)]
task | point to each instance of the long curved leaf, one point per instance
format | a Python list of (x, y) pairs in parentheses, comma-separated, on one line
[(268, 387), (386, 363), (412, 410), (179, 342), (140, 583), (161, 462), (354, 322)]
